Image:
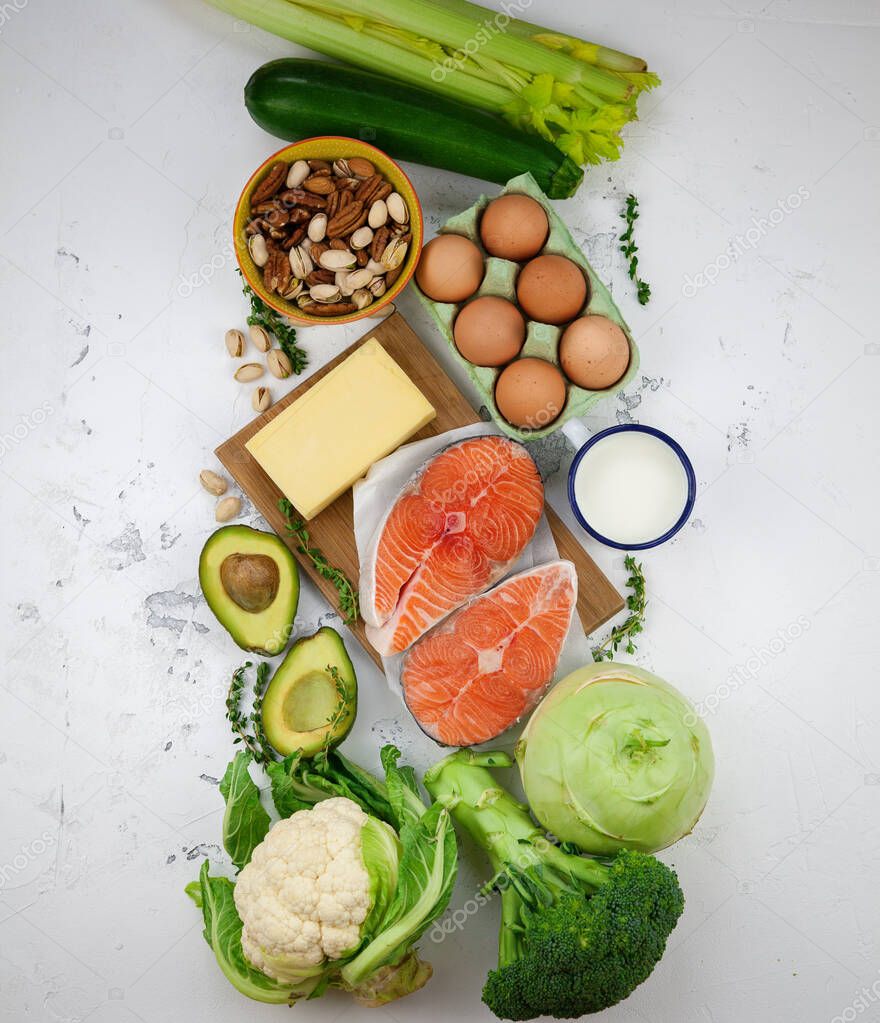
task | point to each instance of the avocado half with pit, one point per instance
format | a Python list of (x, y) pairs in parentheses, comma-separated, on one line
[(311, 701), (251, 583)]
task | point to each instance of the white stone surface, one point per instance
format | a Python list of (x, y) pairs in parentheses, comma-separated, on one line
[(125, 144)]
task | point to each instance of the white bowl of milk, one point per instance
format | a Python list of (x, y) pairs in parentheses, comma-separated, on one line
[(631, 487)]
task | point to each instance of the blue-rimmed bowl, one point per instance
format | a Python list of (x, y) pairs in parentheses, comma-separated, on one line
[(686, 465)]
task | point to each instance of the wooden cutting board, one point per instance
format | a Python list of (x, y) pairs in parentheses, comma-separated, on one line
[(332, 529)]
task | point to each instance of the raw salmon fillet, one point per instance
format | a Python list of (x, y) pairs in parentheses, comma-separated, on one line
[(478, 672), (458, 526)]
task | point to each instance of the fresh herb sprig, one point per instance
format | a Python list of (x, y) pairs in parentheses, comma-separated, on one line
[(636, 603), (341, 708), (348, 598), (263, 316), (629, 248), (248, 727)]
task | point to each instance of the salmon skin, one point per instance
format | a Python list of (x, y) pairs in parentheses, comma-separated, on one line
[(476, 674), (457, 527)]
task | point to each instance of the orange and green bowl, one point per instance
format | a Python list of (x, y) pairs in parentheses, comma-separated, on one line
[(330, 148)]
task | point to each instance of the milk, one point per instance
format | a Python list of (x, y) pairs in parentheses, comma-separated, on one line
[(631, 487)]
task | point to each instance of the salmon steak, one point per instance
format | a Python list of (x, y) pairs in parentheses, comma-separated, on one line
[(476, 674), (458, 526)]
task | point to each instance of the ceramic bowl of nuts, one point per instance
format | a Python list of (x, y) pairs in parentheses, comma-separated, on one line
[(328, 230)]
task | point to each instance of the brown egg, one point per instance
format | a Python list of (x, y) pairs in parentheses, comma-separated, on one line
[(594, 352), (530, 393), (450, 268), (551, 289), (514, 227), (489, 331)]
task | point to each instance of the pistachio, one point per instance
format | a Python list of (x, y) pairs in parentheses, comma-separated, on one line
[(342, 281), (318, 227), (258, 249), (362, 298), (378, 286), (235, 343), (397, 208), (361, 238), (279, 364), (394, 254), (341, 169), (377, 268), (298, 173), (293, 289), (260, 337), (248, 372), (261, 399), (213, 482), (361, 278), (227, 509), (325, 293), (300, 263), (337, 259), (378, 216)]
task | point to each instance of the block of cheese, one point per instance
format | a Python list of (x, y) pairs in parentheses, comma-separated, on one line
[(329, 437)]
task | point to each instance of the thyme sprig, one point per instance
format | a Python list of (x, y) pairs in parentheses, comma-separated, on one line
[(629, 248), (348, 598), (339, 711), (263, 316), (636, 603), (248, 727)]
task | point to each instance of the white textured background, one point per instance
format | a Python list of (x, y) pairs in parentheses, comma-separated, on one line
[(125, 142)]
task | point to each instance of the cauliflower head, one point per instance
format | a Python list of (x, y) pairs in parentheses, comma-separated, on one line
[(310, 886)]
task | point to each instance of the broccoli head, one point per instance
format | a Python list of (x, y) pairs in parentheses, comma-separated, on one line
[(577, 935)]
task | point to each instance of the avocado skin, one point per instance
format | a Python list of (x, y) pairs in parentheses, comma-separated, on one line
[(306, 657), (263, 632)]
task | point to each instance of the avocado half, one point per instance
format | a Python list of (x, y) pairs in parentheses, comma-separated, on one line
[(251, 583), (306, 708)]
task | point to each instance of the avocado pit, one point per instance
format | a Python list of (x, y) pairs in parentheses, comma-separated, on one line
[(250, 580)]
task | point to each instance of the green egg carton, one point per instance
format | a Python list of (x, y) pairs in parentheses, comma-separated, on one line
[(542, 339)]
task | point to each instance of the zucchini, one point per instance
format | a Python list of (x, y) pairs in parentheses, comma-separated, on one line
[(296, 99)]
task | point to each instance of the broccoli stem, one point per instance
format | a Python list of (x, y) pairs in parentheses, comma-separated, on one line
[(499, 824)]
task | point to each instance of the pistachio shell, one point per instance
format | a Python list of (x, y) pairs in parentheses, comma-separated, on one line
[(337, 259), (279, 364), (325, 293), (378, 215), (258, 249), (235, 343), (397, 208), (227, 509), (260, 337), (248, 372), (298, 173), (213, 482), (300, 262)]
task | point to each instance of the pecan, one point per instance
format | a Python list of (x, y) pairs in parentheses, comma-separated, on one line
[(392, 275), (274, 179), (318, 250), (254, 226), (321, 277), (295, 237), (363, 257), (319, 184), (346, 199), (349, 184), (316, 166), (367, 187), (333, 201), (298, 215), (380, 240), (277, 234), (347, 220), (338, 244), (277, 218), (328, 308), (266, 206), (299, 197), (277, 272)]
